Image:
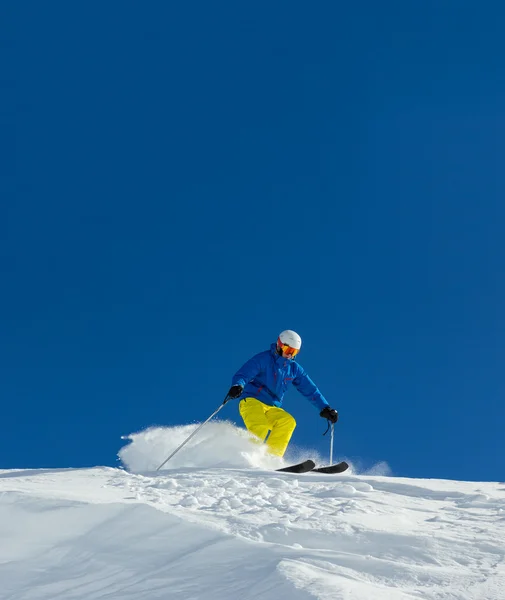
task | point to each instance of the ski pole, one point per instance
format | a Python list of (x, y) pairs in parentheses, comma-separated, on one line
[(194, 432), (331, 443)]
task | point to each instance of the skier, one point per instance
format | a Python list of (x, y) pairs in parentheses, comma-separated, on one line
[(260, 385)]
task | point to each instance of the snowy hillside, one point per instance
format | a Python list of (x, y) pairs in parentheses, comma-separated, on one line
[(241, 531)]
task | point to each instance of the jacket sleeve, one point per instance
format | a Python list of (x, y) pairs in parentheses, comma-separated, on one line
[(247, 371), (309, 389)]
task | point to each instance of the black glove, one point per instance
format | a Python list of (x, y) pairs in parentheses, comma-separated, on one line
[(234, 392), (329, 413)]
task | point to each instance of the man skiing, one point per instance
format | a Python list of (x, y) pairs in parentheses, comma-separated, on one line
[(260, 385)]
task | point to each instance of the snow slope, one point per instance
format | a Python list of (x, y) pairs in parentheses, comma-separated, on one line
[(239, 531)]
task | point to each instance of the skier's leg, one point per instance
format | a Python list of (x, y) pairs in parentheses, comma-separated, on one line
[(252, 412), (282, 425)]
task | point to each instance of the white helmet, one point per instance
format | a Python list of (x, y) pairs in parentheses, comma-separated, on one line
[(289, 343)]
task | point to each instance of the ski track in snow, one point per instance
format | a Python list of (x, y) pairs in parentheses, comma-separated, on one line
[(233, 533)]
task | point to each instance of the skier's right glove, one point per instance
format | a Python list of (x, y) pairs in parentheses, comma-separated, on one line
[(329, 413), (234, 393)]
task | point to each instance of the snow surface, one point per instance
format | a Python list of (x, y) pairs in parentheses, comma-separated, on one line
[(218, 524)]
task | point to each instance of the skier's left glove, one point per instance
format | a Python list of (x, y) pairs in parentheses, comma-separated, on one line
[(329, 413), (233, 393)]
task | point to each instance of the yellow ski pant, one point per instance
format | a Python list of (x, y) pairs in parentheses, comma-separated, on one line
[(260, 419)]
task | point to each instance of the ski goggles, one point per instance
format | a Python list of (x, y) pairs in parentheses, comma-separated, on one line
[(286, 350)]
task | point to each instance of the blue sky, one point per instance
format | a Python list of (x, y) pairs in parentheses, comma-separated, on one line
[(182, 181)]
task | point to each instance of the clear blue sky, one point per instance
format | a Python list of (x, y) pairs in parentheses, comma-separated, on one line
[(182, 181)]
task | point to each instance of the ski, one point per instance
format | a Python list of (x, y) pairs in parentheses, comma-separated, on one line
[(303, 467), (338, 468)]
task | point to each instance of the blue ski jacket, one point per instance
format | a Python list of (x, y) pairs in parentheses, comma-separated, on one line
[(268, 375)]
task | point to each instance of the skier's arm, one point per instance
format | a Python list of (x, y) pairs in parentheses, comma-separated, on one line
[(247, 372), (309, 389)]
